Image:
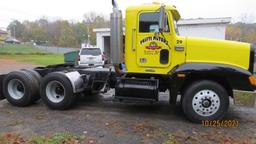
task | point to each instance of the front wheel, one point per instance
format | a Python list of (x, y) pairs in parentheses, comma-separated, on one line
[(205, 100)]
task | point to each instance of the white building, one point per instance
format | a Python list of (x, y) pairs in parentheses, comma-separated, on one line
[(203, 27)]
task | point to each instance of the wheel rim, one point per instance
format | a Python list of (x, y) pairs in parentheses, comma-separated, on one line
[(16, 89), (55, 91), (206, 103)]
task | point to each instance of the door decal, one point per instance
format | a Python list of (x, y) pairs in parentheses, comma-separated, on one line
[(153, 38)]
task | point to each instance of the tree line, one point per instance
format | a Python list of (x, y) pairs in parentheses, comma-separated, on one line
[(60, 32), (71, 34), (243, 32)]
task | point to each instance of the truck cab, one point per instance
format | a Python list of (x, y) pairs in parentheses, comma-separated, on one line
[(156, 52), (153, 52)]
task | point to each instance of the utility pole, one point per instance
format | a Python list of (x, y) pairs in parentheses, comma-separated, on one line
[(89, 36), (88, 23), (14, 32)]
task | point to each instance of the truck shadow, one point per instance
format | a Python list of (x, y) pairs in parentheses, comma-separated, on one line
[(160, 110)]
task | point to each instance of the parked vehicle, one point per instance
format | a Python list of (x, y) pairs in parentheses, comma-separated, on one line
[(90, 57), (203, 72), (12, 41)]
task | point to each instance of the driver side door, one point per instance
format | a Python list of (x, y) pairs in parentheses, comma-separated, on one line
[(153, 48)]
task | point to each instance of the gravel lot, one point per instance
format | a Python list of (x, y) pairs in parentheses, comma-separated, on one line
[(101, 119)]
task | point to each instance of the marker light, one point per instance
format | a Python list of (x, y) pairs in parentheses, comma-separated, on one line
[(252, 80)]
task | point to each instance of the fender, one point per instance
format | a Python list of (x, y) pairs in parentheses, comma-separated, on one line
[(236, 77), (75, 79)]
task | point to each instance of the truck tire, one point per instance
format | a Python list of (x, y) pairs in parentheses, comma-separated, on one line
[(18, 88), (35, 74), (37, 78), (205, 100), (57, 92)]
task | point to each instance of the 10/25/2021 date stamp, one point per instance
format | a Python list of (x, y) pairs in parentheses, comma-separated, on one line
[(220, 123)]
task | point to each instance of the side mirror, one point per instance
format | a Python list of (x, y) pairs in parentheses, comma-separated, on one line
[(162, 18)]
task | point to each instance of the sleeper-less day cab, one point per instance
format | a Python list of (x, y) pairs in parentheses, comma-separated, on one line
[(203, 72)]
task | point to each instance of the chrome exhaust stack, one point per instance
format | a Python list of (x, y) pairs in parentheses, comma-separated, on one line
[(116, 38)]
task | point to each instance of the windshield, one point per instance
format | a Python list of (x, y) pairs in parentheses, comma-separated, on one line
[(89, 51)]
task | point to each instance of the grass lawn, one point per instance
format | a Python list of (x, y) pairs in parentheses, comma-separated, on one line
[(28, 53), (44, 60), (19, 49)]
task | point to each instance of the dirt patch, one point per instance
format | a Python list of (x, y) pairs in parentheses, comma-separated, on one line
[(8, 65)]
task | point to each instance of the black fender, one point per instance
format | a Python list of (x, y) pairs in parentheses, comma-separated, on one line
[(232, 77)]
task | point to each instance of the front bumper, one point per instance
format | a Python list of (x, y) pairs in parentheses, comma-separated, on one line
[(91, 64)]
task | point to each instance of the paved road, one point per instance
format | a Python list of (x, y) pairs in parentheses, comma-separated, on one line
[(106, 121)]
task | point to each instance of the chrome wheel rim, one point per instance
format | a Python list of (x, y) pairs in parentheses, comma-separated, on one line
[(206, 103), (55, 91), (16, 89)]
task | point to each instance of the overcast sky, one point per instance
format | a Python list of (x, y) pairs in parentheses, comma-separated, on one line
[(74, 9)]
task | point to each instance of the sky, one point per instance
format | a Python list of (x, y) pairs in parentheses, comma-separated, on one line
[(75, 9)]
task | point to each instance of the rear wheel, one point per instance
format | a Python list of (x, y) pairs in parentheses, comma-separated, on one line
[(205, 100), (57, 91), (18, 88), (37, 78)]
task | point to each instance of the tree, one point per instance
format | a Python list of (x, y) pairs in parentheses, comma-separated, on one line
[(81, 32), (233, 33), (94, 20), (60, 32), (241, 32), (16, 28), (67, 35), (251, 36)]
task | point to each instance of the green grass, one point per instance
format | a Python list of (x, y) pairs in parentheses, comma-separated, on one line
[(59, 138), (30, 54), (7, 49), (44, 60)]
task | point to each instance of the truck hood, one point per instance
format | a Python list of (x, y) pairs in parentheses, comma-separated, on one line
[(232, 53)]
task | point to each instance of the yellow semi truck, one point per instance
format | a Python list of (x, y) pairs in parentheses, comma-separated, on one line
[(203, 72)]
